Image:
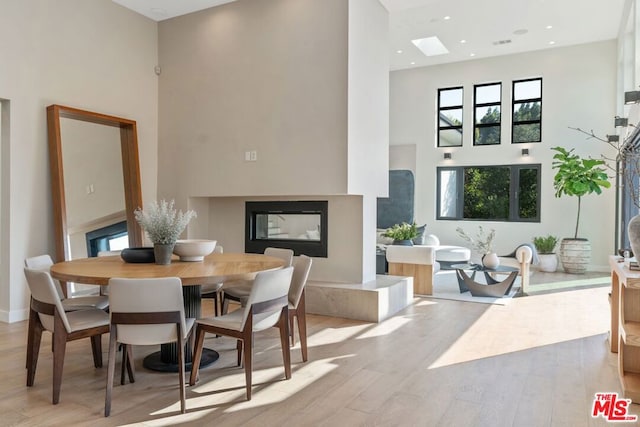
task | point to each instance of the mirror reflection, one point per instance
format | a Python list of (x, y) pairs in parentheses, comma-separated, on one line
[(94, 187)]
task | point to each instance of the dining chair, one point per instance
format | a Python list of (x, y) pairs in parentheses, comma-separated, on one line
[(297, 306), (44, 263), (46, 313), (146, 312), (266, 307), (239, 290), (213, 291)]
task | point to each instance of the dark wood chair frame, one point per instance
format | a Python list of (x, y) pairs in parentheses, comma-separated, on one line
[(300, 314), (59, 343), (154, 318), (245, 340)]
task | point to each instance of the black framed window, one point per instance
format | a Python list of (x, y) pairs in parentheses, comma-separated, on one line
[(450, 117), (486, 113), (527, 111), (497, 193)]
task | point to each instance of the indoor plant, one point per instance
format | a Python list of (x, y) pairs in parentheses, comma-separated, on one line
[(577, 177), (402, 234), (481, 243), (546, 246), (163, 225)]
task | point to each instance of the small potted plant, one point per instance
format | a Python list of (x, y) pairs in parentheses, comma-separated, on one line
[(402, 234), (546, 247), (163, 225)]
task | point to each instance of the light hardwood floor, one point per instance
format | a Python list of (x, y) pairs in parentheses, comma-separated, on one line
[(535, 362)]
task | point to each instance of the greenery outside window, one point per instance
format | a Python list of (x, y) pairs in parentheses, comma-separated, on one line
[(450, 117), (497, 193), (527, 111), (486, 113)]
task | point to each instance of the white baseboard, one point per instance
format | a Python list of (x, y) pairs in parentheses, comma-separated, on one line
[(13, 316)]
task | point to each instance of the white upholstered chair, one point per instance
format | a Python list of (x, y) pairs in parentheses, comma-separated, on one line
[(239, 290), (522, 259), (46, 313), (267, 306), (44, 263), (146, 312)]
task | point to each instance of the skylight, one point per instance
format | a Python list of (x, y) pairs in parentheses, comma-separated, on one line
[(430, 46)]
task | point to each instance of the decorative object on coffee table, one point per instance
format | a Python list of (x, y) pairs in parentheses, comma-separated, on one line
[(482, 244), (163, 224)]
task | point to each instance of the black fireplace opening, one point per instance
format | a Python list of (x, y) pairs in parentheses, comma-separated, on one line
[(109, 238), (298, 225)]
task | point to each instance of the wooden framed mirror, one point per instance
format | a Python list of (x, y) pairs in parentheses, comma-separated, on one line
[(95, 178)]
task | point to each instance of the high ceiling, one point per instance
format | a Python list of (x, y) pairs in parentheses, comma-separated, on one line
[(488, 28)]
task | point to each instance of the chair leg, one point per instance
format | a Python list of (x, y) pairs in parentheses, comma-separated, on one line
[(60, 347), (292, 334), (34, 338), (215, 304), (96, 348), (181, 370), (130, 366), (125, 361), (239, 352), (197, 356), (225, 304), (110, 370), (301, 316), (248, 362), (283, 325)]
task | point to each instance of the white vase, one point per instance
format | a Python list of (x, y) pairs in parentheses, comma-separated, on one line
[(491, 260), (633, 231)]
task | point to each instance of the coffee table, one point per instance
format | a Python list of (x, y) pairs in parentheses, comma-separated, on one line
[(492, 288)]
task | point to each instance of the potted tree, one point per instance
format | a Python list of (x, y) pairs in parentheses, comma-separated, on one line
[(546, 246), (402, 234), (577, 177)]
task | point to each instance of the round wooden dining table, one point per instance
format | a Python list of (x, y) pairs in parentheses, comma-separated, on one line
[(215, 268)]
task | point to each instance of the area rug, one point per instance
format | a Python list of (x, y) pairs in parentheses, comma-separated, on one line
[(445, 286)]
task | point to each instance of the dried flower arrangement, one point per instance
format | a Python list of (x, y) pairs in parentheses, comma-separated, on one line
[(162, 222), (482, 241)]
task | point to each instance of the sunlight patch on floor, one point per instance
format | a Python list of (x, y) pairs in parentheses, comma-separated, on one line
[(569, 317), (385, 328)]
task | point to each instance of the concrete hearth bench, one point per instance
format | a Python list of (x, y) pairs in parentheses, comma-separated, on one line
[(423, 261)]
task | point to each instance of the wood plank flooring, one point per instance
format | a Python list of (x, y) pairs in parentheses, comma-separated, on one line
[(538, 361)]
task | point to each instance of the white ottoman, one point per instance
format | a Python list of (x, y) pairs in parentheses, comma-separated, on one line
[(447, 255)]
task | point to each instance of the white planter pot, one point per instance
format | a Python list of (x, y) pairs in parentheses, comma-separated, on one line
[(575, 255), (547, 263)]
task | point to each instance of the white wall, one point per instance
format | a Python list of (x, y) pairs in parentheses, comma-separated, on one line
[(92, 55), (579, 90), (303, 83)]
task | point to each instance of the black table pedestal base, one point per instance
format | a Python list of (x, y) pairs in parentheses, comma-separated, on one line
[(154, 361)]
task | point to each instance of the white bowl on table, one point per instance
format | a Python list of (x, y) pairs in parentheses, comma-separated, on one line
[(194, 249)]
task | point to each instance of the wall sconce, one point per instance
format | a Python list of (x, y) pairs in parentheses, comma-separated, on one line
[(632, 97), (525, 152), (447, 156), (621, 122), (613, 138)]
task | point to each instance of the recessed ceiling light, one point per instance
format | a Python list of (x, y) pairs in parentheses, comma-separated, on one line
[(399, 51), (548, 27), (472, 54), (521, 31), (446, 18), (552, 42), (463, 41), (430, 46), (413, 63)]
